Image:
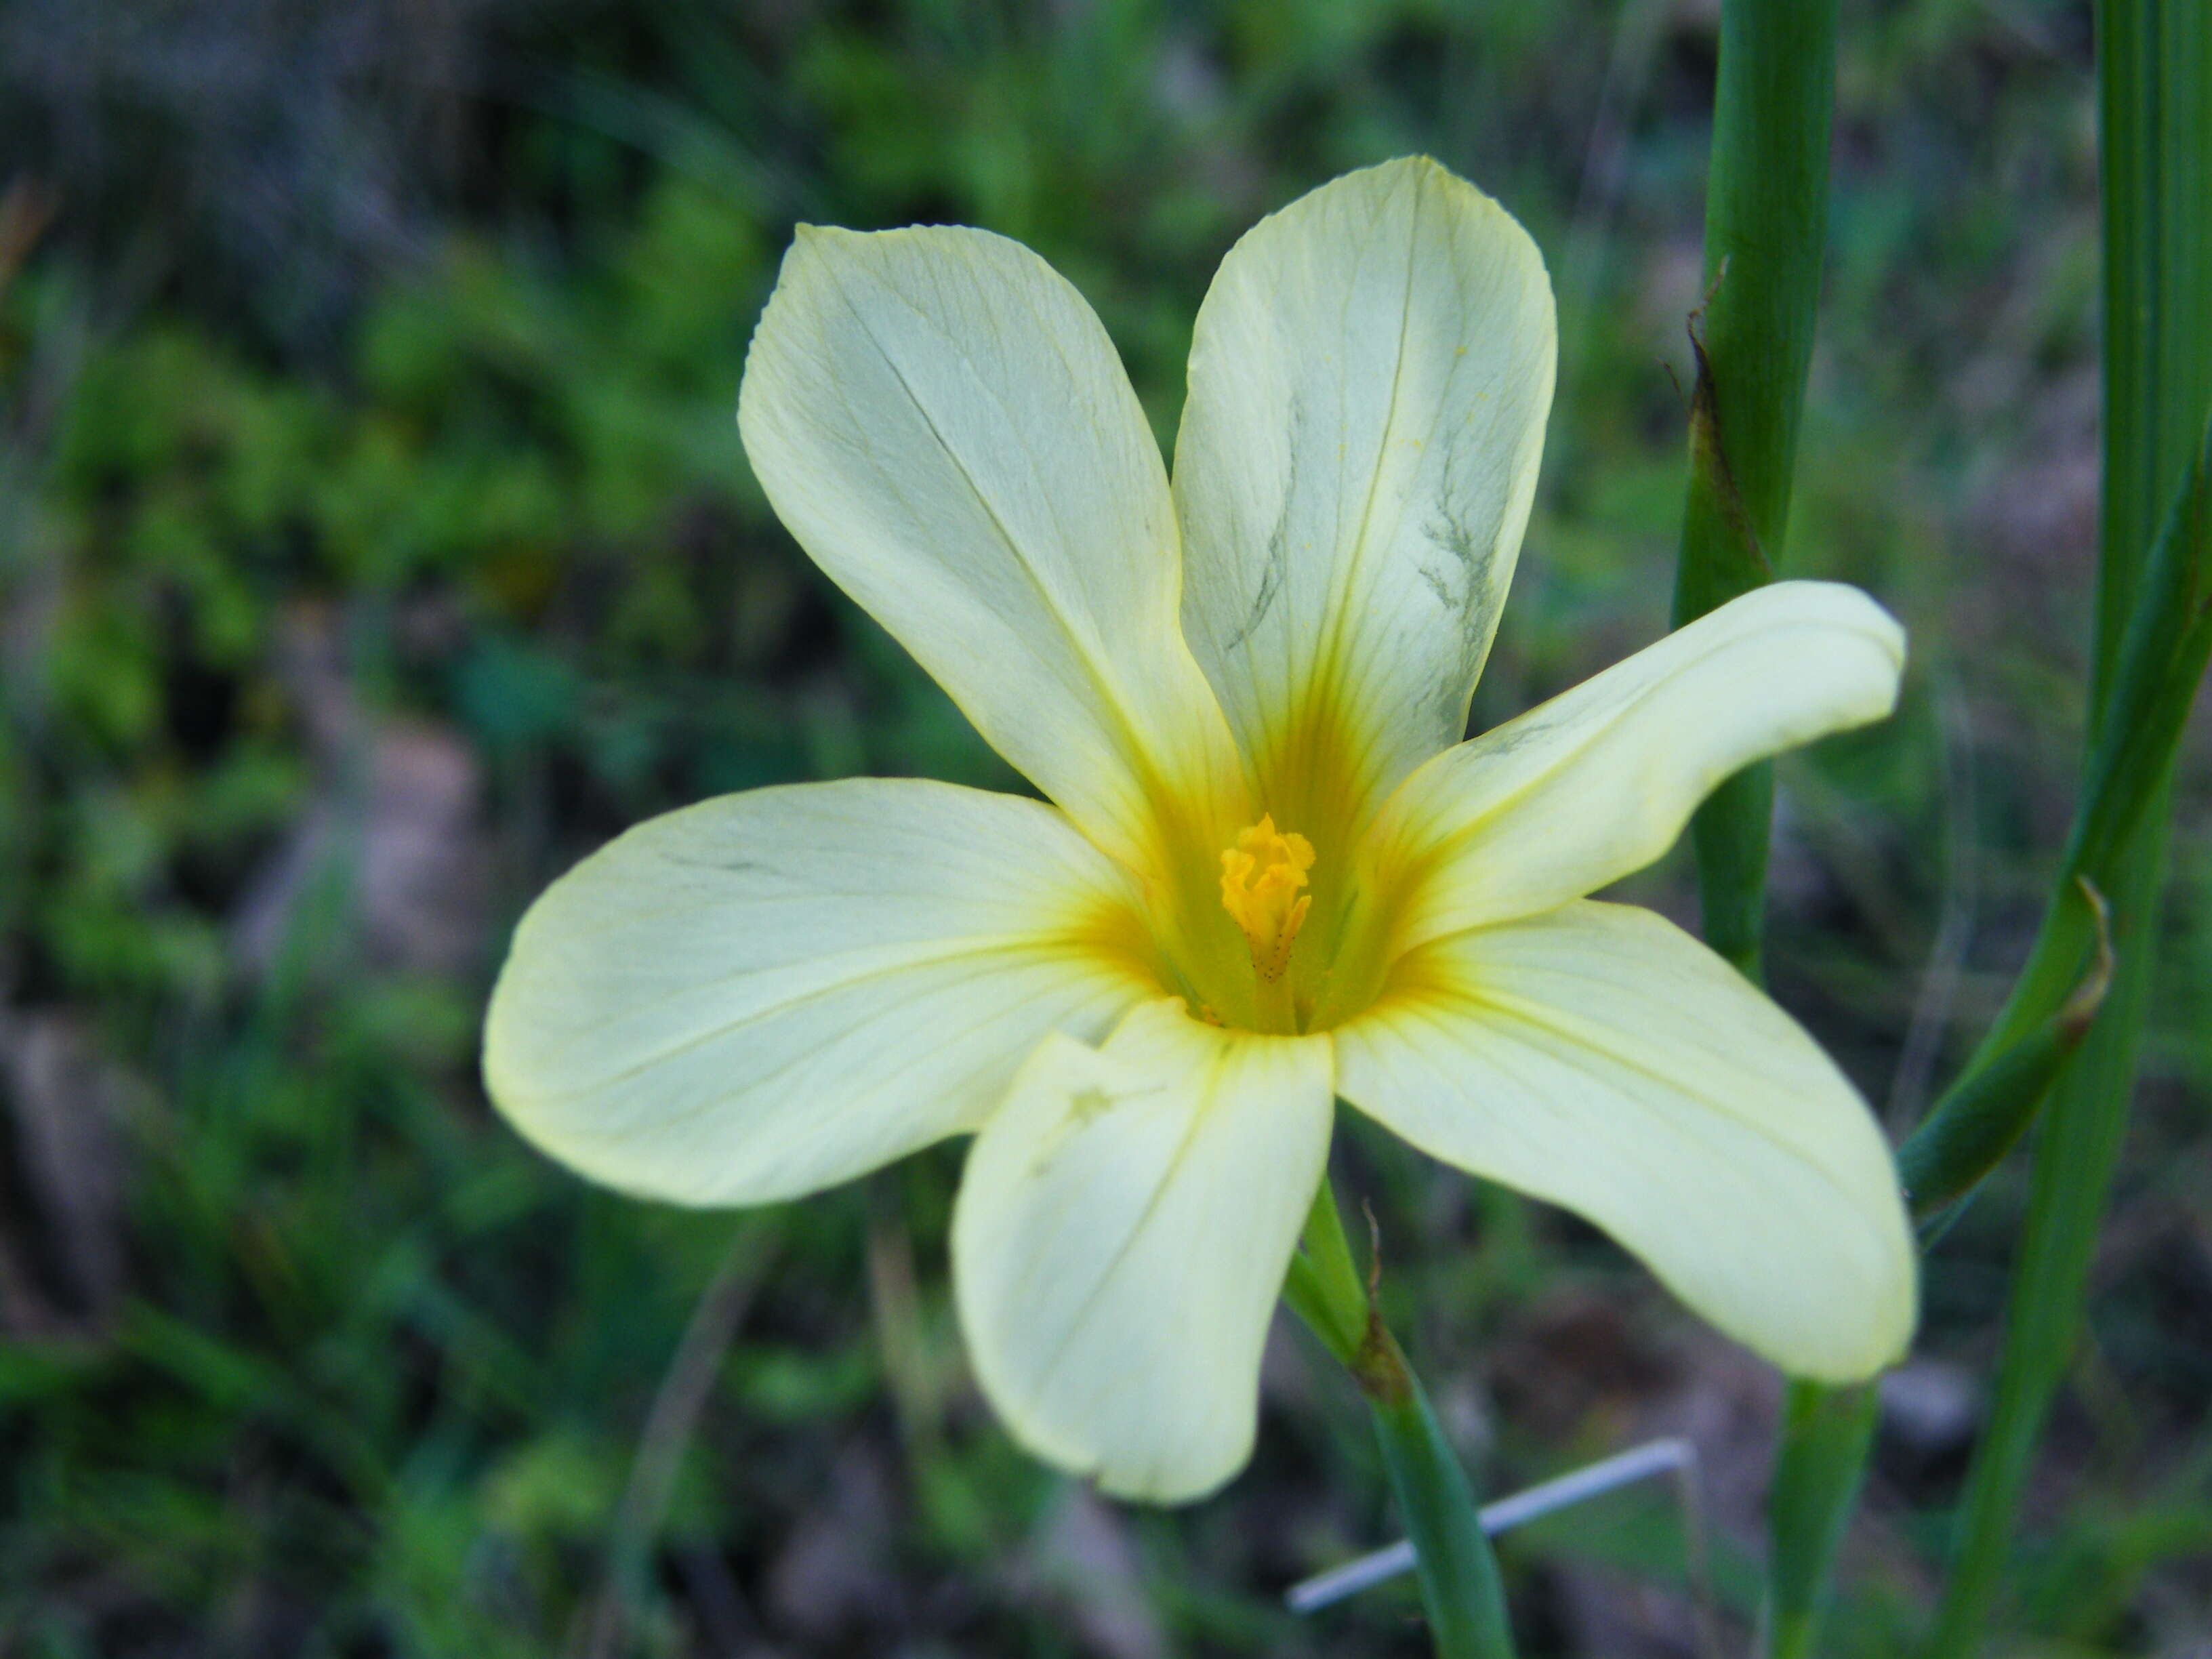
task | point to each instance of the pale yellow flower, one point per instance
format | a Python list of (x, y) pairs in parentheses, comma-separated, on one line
[(1270, 875)]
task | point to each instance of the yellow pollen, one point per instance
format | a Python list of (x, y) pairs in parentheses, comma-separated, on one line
[(1260, 876)]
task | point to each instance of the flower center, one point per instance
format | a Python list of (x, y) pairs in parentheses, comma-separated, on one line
[(1260, 876)]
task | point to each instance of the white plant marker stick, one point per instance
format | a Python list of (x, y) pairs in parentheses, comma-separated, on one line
[(1671, 1455)]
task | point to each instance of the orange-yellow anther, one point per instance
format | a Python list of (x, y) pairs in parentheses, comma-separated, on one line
[(1260, 876)]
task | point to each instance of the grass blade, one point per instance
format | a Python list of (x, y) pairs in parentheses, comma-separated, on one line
[(2154, 94)]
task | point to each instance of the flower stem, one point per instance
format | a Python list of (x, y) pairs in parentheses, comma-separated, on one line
[(1766, 212), (1325, 1259), (1461, 1589), (1819, 1458), (1766, 208), (1460, 1583)]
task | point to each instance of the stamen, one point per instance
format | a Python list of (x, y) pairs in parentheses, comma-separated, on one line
[(1260, 876)]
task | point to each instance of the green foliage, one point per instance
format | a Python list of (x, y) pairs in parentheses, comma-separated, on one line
[(2154, 631)]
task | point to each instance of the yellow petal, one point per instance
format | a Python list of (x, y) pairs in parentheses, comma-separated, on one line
[(942, 423), (769, 993), (1598, 782), (1601, 1059), (1368, 383), (1119, 1239)]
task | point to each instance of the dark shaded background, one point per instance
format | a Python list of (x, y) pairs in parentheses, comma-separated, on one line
[(375, 539)]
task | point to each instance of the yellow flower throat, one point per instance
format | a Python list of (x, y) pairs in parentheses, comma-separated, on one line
[(1260, 876)]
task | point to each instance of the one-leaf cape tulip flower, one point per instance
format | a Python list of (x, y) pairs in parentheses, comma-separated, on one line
[(1271, 874)]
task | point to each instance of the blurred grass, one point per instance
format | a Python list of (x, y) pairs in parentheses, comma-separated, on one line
[(374, 539)]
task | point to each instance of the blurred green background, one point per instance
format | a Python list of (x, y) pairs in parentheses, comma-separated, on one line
[(375, 540)]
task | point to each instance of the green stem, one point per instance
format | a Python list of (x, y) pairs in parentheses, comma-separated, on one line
[(1987, 1109), (2075, 1157), (2162, 658), (1766, 211), (1820, 1459), (1461, 1588), (1327, 1254), (2155, 101)]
